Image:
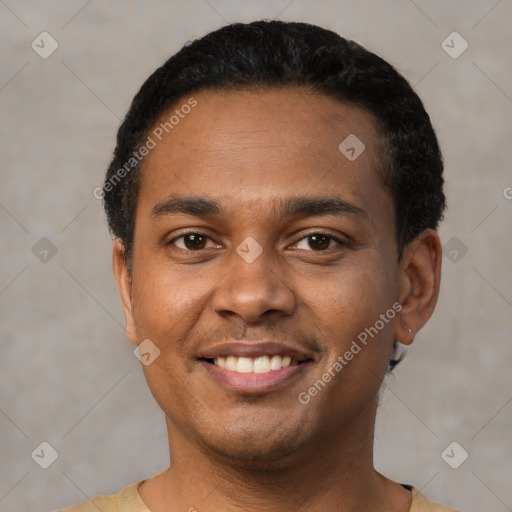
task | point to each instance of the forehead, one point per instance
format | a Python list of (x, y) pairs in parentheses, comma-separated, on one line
[(251, 146)]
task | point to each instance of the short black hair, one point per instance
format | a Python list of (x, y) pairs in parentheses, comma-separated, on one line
[(277, 54), (283, 54)]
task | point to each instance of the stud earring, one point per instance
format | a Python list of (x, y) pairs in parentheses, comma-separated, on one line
[(410, 330)]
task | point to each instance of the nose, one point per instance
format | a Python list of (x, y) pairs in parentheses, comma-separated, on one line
[(254, 290)]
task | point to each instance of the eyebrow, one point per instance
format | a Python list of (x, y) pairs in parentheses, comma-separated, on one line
[(290, 207)]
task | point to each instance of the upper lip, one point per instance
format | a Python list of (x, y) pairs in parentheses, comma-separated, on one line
[(255, 349)]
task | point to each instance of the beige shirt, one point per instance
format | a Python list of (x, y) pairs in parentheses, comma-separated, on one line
[(128, 500)]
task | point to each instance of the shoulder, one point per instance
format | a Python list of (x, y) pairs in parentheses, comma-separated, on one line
[(126, 500), (420, 503)]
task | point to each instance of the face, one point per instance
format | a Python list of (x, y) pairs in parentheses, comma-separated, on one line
[(261, 253)]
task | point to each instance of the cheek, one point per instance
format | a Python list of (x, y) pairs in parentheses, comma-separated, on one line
[(168, 303), (351, 300), (168, 306)]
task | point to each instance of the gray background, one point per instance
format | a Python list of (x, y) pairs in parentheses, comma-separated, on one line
[(69, 377)]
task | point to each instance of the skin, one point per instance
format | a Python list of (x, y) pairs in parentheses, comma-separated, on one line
[(232, 451)]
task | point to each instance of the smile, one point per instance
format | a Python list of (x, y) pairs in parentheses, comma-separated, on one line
[(252, 367), (262, 364)]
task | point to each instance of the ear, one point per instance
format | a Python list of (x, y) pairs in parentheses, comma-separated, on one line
[(420, 276), (124, 286)]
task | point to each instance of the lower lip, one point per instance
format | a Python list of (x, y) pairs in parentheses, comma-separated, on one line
[(255, 382)]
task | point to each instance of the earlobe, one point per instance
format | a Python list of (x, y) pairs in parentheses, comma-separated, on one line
[(124, 286), (420, 276)]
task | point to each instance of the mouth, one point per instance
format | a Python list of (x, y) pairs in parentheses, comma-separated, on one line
[(260, 365), (255, 368)]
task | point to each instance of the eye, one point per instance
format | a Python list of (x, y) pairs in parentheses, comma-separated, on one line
[(192, 241), (318, 242)]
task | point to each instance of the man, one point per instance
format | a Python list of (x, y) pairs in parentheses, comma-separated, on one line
[(274, 196)]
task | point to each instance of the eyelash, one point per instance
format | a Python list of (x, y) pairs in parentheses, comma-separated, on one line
[(341, 243)]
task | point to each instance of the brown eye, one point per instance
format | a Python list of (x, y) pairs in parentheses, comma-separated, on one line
[(190, 241), (194, 241), (319, 242)]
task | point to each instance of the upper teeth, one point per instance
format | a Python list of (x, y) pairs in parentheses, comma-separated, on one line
[(262, 364)]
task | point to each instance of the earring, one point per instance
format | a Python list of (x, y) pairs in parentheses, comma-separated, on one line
[(410, 330)]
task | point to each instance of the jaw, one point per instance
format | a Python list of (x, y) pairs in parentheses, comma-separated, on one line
[(268, 431), (258, 437)]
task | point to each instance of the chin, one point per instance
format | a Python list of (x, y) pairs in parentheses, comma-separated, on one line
[(252, 448)]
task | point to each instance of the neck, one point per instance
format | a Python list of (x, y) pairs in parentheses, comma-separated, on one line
[(334, 472)]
